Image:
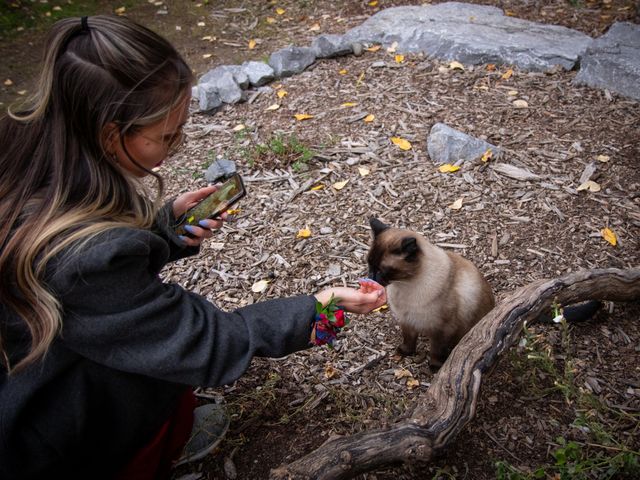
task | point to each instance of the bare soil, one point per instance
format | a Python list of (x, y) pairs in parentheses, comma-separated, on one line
[(515, 231)]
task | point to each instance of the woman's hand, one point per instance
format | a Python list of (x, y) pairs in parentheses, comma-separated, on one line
[(370, 296), (187, 200)]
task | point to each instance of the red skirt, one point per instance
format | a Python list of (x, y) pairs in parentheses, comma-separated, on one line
[(155, 460)]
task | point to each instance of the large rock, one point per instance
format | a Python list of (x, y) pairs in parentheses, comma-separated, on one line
[(259, 73), (473, 34), (291, 60), (612, 61), (447, 145), (329, 46)]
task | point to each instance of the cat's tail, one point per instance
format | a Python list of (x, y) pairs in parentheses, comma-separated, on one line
[(578, 312)]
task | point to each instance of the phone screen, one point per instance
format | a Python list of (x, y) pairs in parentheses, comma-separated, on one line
[(215, 204)]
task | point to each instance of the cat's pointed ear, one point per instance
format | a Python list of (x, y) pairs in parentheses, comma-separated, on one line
[(377, 226), (409, 246)]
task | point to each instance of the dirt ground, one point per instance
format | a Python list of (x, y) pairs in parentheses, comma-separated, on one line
[(565, 403)]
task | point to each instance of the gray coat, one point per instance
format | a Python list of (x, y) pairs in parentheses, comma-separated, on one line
[(129, 347)]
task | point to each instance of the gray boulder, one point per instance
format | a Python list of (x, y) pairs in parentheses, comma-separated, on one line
[(237, 72), (259, 73), (329, 46), (447, 145), (612, 61), (291, 60), (208, 97), (473, 34)]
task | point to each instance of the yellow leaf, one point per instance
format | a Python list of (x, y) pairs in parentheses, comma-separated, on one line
[(234, 211), (401, 143), (280, 11), (373, 3), (457, 205), (402, 373), (270, 108), (363, 171), (507, 75), (589, 185), (340, 185), (320, 186), (383, 307), (271, 20), (281, 93), (603, 158), (509, 13), (315, 27), (412, 383), (360, 79), (349, 104), (302, 116), (8, 82), (330, 372), (456, 66), (512, 93), (252, 44), (488, 155), (609, 235), (373, 48), (520, 104), (344, 71), (370, 118), (120, 10), (238, 127), (448, 168), (303, 233), (260, 286), (399, 58)]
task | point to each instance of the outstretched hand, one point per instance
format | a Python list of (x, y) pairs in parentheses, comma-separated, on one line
[(187, 200), (368, 297)]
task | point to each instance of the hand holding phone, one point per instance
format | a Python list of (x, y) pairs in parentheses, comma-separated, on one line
[(214, 205)]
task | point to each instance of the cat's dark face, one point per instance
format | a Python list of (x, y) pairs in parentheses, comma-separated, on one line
[(394, 254)]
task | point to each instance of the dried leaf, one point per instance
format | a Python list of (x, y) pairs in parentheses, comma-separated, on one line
[(392, 48), (370, 118), (252, 44), (603, 158), (302, 116), (412, 383), (589, 185), (238, 127), (315, 27), (373, 48), (320, 186), (383, 307), (207, 55), (609, 235), (21, 92), (363, 171), (271, 20), (399, 58), (402, 373), (8, 82), (344, 71), (448, 168), (281, 93), (120, 10), (275, 106), (260, 286), (349, 104), (507, 75), (373, 3), (280, 11), (303, 233), (488, 155), (457, 205), (491, 67), (520, 104), (401, 143), (340, 185), (456, 66), (330, 372)]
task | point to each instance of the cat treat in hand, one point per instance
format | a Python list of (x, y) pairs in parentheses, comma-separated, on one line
[(367, 285)]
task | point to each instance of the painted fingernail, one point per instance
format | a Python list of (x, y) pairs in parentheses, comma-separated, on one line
[(204, 224), (189, 228), (182, 237)]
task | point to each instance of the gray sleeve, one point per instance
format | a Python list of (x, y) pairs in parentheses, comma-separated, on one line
[(118, 312)]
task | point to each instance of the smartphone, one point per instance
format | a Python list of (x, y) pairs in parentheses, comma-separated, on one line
[(214, 205)]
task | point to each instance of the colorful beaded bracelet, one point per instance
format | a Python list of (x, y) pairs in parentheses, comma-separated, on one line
[(328, 322)]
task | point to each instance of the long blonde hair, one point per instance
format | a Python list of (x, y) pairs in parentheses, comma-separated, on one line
[(58, 185)]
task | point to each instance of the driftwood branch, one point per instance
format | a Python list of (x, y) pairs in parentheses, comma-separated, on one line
[(451, 400)]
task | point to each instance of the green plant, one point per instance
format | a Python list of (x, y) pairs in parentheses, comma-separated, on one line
[(282, 151)]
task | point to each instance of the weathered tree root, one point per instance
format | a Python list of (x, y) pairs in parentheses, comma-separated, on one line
[(450, 402)]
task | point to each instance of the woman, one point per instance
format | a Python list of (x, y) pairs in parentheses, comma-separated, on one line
[(98, 352)]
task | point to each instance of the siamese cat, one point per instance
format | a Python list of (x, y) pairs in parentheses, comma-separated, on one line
[(431, 291)]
